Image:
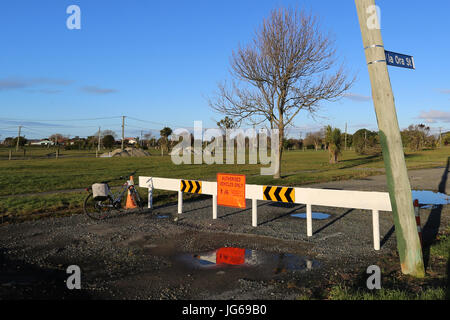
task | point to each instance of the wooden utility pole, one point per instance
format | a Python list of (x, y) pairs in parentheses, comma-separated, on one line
[(18, 139), (98, 147), (408, 242), (346, 136), (123, 130), (365, 140)]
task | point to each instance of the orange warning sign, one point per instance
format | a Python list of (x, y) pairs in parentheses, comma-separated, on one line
[(234, 256), (231, 190)]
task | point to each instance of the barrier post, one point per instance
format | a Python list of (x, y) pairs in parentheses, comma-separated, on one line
[(214, 204), (417, 214), (309, 220), (150, 197), (376, 229), (180, 202), (254, 212)]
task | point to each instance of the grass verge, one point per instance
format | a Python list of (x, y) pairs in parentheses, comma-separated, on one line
[(396, 286)]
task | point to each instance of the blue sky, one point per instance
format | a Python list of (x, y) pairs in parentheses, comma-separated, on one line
[(158, 61)]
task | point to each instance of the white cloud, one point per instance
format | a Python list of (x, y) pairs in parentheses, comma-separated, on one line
[(434, 116), (357, 97), (97, 90), (13, 83)]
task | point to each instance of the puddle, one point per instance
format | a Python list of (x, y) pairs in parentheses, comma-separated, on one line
[(315, 216), (162, 217), (239, 257), (430, 198)]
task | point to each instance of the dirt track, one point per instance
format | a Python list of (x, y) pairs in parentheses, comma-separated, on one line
[(141, 256)]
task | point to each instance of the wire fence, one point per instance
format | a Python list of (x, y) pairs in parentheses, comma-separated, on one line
[(37, 130)]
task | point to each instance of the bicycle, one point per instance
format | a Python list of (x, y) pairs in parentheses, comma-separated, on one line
[(100, 205)]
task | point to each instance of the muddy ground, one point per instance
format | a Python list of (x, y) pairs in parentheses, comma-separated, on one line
[(149, 255)]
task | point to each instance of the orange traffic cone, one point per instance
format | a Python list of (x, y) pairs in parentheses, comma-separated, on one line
[(130, 202)]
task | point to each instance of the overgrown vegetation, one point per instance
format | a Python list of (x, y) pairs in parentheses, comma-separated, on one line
[(417, 137)]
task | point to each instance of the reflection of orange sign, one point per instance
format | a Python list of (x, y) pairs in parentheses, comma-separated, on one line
[(231, 190), (234, 256)]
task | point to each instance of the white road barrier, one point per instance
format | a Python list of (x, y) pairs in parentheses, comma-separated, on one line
[(374, 201)]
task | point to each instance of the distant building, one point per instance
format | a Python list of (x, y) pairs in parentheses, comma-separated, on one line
[(130, 140), (42, 143)]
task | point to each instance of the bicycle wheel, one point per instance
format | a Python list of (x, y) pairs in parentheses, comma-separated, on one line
[(137, 199), (95, 209)]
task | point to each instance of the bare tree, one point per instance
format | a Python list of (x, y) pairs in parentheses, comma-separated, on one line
[(57, 138), (289, 66), (314, 138)]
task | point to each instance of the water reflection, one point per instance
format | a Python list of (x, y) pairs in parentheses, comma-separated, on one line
[(229, 256), (430, 198), (315, 216)]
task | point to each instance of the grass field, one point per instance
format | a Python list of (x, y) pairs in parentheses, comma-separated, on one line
[(39, 187), (46, 175)]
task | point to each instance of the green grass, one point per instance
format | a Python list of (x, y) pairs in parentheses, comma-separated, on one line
[(298, 168), (441, 248), (435, 286), (344, 293), (33, 207), (20, 208)]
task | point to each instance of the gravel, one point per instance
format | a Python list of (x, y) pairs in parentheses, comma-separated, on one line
[(136, 255)]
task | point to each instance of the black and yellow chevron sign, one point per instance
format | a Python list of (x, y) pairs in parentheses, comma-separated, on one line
[(279, 194), (191, 186)]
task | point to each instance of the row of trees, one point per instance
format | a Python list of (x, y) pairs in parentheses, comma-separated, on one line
[(415, 138), (364, 142)]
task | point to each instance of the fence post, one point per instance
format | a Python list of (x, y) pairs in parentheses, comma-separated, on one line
[(214, 204), (376, 229), (180, 202), (150, 197), (254, 212), (309, 220), (10, 154), (419, 225)]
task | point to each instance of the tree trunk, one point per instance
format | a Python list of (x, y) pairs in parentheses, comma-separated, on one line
[(277, 174), (332, 157)]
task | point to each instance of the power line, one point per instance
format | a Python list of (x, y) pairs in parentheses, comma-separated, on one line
[(59, 120)]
